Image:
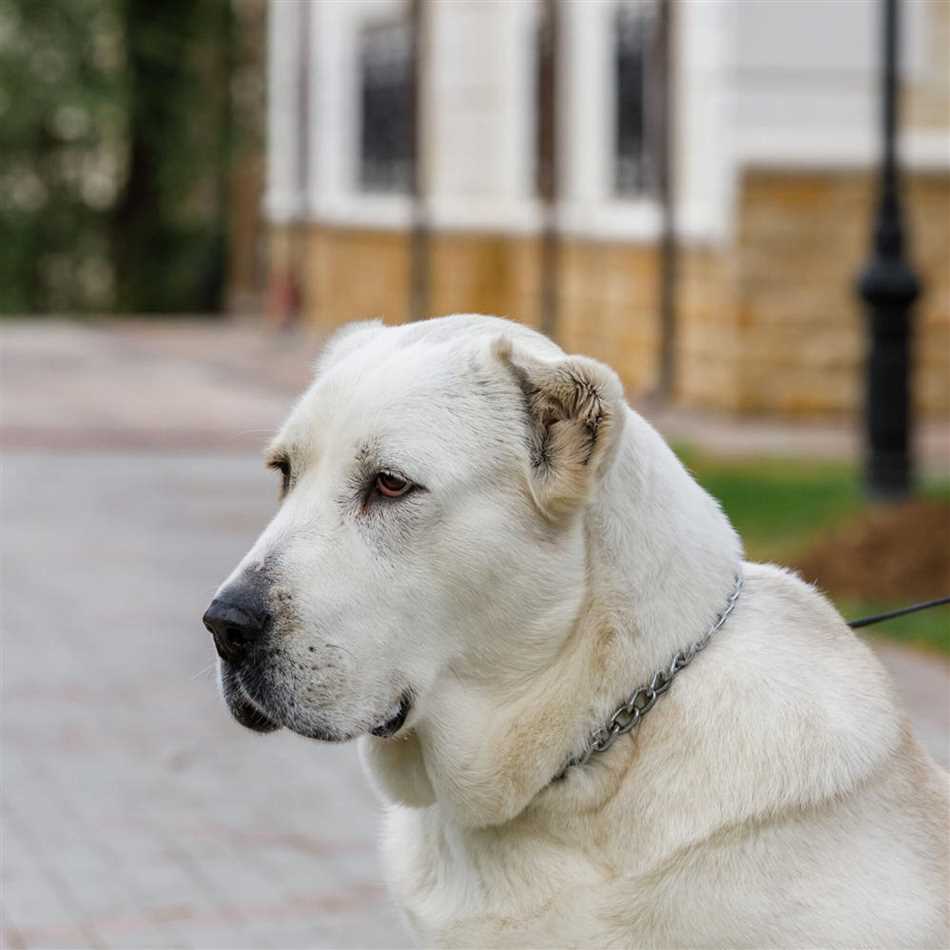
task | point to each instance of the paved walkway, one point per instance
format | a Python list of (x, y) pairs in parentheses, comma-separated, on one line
[(135, 812)]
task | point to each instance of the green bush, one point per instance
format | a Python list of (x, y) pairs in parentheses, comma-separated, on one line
[(116, 133)]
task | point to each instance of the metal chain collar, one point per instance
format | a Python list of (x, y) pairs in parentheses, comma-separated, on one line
[(628, 715)]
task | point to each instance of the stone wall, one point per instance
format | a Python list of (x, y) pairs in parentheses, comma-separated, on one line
[(926, 95), (486, 273), (768, 324), (608, 307), (356, 274), (606, 301), (801, 241), (707, 341)]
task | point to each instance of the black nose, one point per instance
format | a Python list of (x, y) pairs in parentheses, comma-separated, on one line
[(236, 623)]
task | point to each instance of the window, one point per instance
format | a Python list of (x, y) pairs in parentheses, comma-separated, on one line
[(636, 72), (385, 76)]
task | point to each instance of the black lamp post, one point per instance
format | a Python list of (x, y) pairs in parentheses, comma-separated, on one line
[(889, 288)]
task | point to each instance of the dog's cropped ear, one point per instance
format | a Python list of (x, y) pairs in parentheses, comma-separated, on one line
[(575, 413)]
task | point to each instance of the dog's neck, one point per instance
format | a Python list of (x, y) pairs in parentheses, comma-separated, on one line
[(662, 560), (664, 556)]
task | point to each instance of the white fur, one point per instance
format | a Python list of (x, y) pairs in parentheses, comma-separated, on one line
[(559, 555)]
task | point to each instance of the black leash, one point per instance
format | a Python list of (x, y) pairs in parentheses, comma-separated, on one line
[(891, 614)]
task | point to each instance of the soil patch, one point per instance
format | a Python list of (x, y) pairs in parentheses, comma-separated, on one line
[(887, 553)]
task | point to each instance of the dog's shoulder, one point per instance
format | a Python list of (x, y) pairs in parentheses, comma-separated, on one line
[(807, 702), (780, 611), (785, 593)]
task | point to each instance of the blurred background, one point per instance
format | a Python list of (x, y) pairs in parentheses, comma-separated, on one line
[(193, 195)]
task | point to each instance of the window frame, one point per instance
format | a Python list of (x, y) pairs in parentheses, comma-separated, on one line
[(589, 204)]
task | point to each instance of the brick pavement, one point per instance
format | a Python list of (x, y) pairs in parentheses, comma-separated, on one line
[(135, 812)]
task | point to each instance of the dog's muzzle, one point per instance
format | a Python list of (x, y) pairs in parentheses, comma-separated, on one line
[(241, 624)]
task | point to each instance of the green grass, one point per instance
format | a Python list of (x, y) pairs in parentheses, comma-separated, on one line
[(780, 506), (929, 629)]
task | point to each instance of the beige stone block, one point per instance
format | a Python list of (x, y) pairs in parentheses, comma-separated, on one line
[(357, 275), (802, 239), (770, 323)]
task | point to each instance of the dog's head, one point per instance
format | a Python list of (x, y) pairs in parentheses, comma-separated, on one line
[(431, 482)]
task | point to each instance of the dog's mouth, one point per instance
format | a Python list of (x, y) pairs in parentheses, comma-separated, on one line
[(251, 717), (251, 713), (247, 713)]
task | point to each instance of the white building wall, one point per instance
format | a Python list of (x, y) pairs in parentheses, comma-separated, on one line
[(704, 115), (477, 153), (588, 102), (479, 115), (807, 83), (284, 199), (334, 195), (479, 156), (757, 83), (782, 83)]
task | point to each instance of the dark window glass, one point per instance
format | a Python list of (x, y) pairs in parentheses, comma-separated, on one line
[(634, 54), (385, 83)]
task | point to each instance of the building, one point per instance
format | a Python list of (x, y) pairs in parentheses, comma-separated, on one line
[(763, 116)]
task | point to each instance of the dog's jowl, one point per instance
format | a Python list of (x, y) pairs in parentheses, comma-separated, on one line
[(593, 723)]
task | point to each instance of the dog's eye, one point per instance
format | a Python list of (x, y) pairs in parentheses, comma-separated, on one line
[(391, 486), (282, 465)]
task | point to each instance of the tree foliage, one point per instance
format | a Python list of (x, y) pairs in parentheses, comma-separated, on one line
[(116, 127)]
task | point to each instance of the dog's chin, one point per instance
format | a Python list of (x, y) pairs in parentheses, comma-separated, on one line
[(388, 725), (255, 714), (248, 715)]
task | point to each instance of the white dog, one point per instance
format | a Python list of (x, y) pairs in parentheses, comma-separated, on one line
[(481, 556)]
